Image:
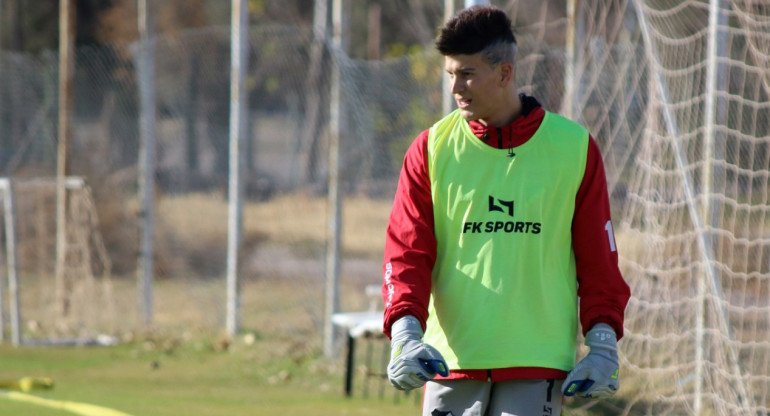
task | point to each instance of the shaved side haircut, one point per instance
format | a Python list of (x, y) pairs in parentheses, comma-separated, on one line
[(479, 29)]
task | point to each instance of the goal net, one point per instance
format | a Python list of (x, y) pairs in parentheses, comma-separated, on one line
[(676, 92), (69, 301)]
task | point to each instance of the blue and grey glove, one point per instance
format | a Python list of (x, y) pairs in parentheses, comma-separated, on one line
[(412, 362), (596, 375)]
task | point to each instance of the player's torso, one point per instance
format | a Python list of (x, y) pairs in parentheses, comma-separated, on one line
[(503, 227)]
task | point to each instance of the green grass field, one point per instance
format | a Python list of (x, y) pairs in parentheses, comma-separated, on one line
[(198, 378), (195, 377), (181, 367)]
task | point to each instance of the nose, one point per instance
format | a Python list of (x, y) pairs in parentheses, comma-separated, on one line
[(456, 84)]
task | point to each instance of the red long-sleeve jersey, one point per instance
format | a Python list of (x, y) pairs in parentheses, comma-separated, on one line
[(410, 246)]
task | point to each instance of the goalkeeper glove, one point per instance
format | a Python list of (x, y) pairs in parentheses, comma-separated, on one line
[(596, 375), (412, 362)]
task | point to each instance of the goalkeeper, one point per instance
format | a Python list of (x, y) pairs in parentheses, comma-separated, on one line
[(499, 242)]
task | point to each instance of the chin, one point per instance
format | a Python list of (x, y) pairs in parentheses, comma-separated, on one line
[(468, 115)]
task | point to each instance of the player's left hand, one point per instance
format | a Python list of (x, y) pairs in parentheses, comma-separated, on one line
[(596, 375)]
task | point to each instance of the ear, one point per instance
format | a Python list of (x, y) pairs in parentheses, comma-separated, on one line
[(506, 73)]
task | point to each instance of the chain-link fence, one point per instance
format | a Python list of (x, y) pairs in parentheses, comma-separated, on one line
[(386, 104)]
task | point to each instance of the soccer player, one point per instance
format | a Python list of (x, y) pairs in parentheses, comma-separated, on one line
[(499, 242)]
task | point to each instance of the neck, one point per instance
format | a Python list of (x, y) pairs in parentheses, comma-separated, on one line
[(511, 109)]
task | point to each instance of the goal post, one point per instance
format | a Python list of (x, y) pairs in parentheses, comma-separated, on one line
[(11, 266), (30, 252)]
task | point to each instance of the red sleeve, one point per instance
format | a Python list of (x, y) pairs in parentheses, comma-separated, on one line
[(602, 291), (410, 243)]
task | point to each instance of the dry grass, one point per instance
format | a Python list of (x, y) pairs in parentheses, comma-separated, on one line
[(284, 241), (288, 219)]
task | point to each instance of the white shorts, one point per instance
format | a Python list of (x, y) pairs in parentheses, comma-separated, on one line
[(485, 398)]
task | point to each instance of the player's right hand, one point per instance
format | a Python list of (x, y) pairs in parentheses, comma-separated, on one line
[(413, 363)]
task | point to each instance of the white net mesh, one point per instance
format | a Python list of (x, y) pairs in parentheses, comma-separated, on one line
[(692, 200)]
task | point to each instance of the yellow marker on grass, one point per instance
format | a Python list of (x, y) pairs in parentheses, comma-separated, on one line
[(27, 383)]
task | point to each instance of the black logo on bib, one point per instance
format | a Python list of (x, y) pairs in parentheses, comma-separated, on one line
[(504, 207)]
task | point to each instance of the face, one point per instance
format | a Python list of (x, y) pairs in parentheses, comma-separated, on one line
[(478, 89)]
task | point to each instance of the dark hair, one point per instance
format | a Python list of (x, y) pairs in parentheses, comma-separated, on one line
[(484, 29)]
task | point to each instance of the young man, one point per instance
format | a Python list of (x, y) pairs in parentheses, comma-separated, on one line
[(499, 241)]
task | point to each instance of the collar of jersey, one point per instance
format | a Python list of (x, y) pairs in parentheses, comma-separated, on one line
[(478, 143)]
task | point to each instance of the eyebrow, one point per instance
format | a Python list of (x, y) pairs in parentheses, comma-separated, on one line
[(463, 69)]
